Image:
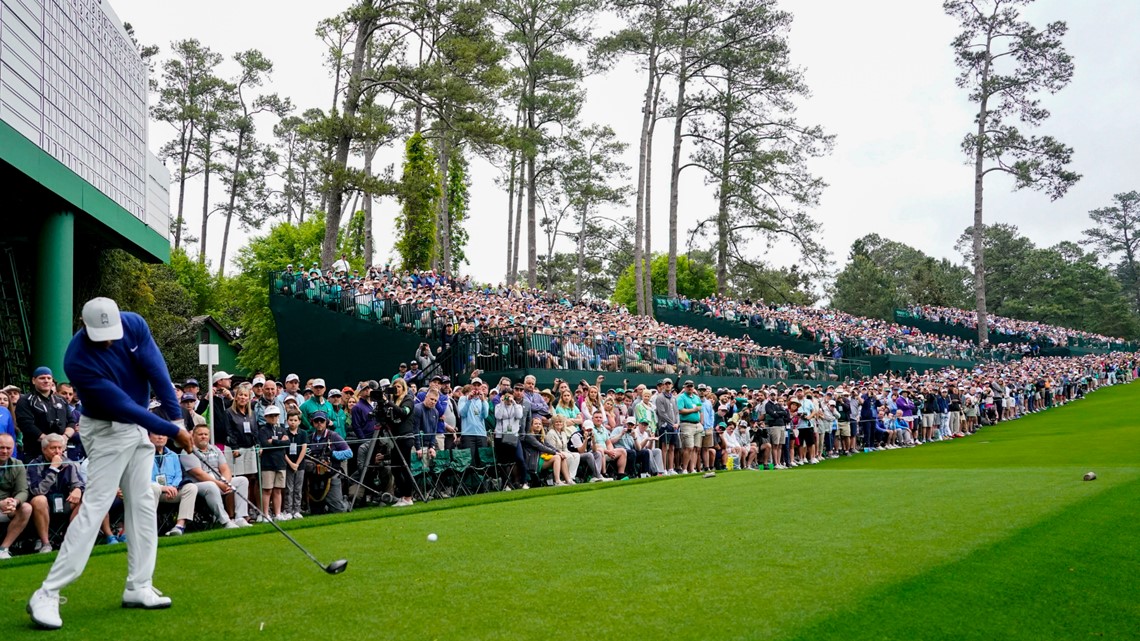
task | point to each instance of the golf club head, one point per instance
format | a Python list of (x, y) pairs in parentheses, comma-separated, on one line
[(336, 567)]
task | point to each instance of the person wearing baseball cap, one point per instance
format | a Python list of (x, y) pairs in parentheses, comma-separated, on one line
[(315, 403), (42, 412), (292, 388), (113, 363), (329, 448)]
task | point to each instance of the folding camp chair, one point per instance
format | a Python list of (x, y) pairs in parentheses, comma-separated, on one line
[(441, 473), (461, 461), (481, 474)]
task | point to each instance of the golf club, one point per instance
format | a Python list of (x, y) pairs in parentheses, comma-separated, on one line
[(336, 567)]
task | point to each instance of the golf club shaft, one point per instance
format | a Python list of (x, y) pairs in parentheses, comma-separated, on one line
[(257, 509)]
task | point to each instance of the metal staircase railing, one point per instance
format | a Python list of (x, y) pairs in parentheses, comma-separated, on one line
[(15, 334)]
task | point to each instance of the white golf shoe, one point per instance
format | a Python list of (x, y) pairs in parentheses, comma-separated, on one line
[(44, 609), (146, 598)]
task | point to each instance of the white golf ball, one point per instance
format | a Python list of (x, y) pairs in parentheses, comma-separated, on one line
[(432, 537)]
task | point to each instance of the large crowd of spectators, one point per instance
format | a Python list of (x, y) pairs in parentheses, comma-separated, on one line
[(1029, 331), (841, 334), (285, 451)]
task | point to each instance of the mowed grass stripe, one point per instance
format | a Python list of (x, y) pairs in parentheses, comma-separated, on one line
[(1071, 576), (780, 552)]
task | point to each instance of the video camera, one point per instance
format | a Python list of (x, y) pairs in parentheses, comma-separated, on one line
[(385, 411)]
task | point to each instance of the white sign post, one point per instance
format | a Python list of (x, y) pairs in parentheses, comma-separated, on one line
[(208, 356)]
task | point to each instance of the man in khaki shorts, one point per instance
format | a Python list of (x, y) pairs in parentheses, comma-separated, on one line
[(689, 408), (274, 440)]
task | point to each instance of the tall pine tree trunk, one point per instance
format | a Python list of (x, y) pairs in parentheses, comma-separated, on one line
[(369, 154), (345, 135), (233, 200), (648, 269), (207, 157), (675, 164), (183, 168), (979, 229), (725, 192), (510, 218), (518, 226), (444, 221)]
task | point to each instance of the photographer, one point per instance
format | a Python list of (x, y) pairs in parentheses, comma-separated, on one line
[(472, 409), (395, 413), (511, 416)]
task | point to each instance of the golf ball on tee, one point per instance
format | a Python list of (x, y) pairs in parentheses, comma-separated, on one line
[(432, 537)]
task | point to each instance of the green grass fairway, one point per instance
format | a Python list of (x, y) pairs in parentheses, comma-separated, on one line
[(992, 537)]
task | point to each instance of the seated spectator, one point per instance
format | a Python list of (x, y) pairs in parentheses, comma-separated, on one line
[(604, 445), (166, 483), (55, 486), (558, 437), (622, 437), (7, 423), (646, 441), (15, 511), (206, 467), (541, 457)]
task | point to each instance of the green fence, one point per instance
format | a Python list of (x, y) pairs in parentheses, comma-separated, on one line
[(1080, 346)]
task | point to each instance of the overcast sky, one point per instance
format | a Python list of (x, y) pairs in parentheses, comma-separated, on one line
[(882, 77)]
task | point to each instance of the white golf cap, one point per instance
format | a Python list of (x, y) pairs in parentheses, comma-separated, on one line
[(220, 376), (101, 317), (259, 380), (318, 382), (292, 377), (272, 410)]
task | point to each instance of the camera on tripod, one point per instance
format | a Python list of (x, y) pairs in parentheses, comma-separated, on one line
[(386, 412)]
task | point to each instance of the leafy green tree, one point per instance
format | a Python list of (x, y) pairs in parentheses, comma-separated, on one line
[(188, 84), (1008, 251), (694, 280), (298, 157), (1117, 233), (458, 185), (749, 143), (915, 277), (863, 289), (540, 34), (244, 299), (786, 285), (419, 193), (196, 279), (1005, 64), (249, 159)]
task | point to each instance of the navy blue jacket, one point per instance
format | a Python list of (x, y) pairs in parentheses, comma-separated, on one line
[(114, 381)]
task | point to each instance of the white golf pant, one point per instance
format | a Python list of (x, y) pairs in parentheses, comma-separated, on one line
[(210, 491), (119, 456)]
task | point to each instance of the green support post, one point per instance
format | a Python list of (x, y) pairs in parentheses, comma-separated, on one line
[(54, 292)]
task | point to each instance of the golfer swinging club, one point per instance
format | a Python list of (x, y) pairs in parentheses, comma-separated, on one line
[(113, 363)]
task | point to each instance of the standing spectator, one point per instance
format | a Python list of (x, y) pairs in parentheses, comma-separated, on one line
[(266, 398), (14, 507), (42, 412), (776, 417), (274, 439), (292, 390), (338, 413), (688, 407), (294, 462), (329, 449), (665, 407), (473, 409), (511, 416), (243, 437), (167, 485), (316, 403), (221, 398), (403, 432)]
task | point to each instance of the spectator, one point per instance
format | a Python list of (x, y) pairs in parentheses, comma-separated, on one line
[(558, 437), (328, 450), (190, 417), (273, 439), (688, 406), (166, 482), (15, 510), (668, 419), (472, 408), (316, 403), (42, 412), (220, 401), (646, 441), (263, 400), (567, 409), (338, 413), (511, 415), (292, 390), (242, 437), (295, 468), (776, 417), (403, 433), (55, 486), (8, 424), (206, 467), (541, 457), (13, 393), (191, 387)]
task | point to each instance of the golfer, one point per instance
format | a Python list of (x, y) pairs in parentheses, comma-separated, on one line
[(113, 363)]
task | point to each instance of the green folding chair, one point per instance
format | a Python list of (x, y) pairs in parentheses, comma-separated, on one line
[(440, 472), (461, 462)]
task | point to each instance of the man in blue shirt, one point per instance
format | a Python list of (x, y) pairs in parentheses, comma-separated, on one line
[(167, 485), (114, 363), (472, 409)]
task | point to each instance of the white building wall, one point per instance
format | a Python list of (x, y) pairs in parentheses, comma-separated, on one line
[(72, 82)]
